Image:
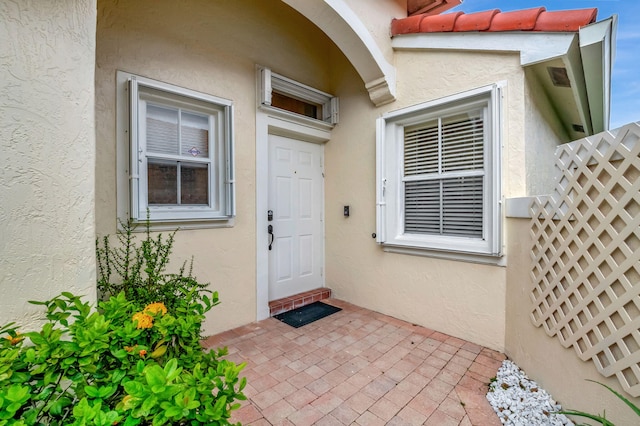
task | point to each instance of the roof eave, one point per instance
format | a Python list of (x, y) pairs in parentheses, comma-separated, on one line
[(597, 49), (534, 47), (587, 56)]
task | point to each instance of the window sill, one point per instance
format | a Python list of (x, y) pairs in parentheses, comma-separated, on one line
[(173, 225), (448, 255)]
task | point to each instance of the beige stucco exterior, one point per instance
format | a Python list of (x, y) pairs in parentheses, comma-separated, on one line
[(217, 56), (61, 179), (47, 154), (358, 270), (426, 291)]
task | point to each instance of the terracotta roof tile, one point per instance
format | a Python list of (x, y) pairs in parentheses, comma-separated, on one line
[(523, 20), (563, 21), (480, 21), (439, 23), (537, 19), (406, 25)]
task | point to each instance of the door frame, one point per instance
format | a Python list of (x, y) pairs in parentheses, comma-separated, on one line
[(276, 122)]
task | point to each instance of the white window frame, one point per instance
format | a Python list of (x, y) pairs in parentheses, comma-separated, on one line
[(390, 187), (133, 93), (268, 82)]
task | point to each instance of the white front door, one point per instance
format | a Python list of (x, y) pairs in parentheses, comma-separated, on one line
[(296, 249)]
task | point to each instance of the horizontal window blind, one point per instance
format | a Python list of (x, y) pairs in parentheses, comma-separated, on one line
[(181, 135), (422, 207), (463, 142), (444, 161), (421, 149), (445, 206), (194, 132), (462, 206), (162, 130), (173, 131)]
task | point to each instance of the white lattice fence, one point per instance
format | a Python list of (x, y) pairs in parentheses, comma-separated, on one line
[(586, 253)]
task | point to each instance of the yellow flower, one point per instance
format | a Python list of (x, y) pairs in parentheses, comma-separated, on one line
[(154, 308), (14, 340), (144, 320)]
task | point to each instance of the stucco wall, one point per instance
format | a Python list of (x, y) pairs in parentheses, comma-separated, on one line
[(212, 47), (543, 358), (377, 19), (47, 154), (217, 55), (463, 299)]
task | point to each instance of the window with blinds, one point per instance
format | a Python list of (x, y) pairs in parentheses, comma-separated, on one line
[(444, 176), (181, 152), (178, 159), (438, 177)]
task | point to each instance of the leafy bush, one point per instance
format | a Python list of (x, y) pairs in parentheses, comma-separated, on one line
[(114, 366), (136, 359), (139, 269)]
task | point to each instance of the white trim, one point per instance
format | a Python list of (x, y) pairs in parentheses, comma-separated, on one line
[(418, 109), (133, 166), (533, 47), (389, 184), (460, 257), (172, 88), (291, 117), (269, 121), (131, 157), (381, 181), (383, 89), (269, 81), (598, 51), (361, 31)]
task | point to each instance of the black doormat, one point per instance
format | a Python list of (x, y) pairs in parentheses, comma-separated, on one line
[(307, 314)]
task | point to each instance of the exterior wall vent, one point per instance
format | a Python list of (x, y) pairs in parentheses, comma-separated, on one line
[(559, 76)]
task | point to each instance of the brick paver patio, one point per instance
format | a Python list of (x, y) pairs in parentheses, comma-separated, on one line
[(359, 367)]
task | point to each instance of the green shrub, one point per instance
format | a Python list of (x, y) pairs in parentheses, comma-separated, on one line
[(138, 268), (135, 359), (103, 367)]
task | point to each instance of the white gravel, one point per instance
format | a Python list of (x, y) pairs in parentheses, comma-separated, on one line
[(519, 401)]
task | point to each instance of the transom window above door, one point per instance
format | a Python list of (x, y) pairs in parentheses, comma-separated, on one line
[(287, 95), (180, 166)]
